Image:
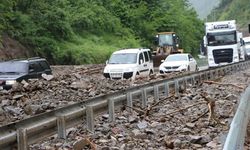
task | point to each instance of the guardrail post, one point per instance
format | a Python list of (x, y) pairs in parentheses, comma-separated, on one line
[(193, 80), (184, 82), (90, 118), (176, 85), (200, 78), (22, 139), (211, 75), (129, 101), (111, 106), (206, 76), (144, 97), (61, 127), (156, 92), (216, 73), (166, 89)]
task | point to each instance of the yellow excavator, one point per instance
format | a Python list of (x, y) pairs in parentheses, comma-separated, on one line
[(165, 43)]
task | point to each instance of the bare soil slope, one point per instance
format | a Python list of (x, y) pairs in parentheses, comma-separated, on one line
[(11, 49)]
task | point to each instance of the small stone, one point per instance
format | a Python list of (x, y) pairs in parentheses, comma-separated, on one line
[(80, 144), (122, 118), (132, 119), (150, 131), (177, 143), (142, 124), (13, 110), (47, 77), (16, 97), (105, 116), (186, 130), (212, 144), (195, 139), (190, 125), (6, 102)]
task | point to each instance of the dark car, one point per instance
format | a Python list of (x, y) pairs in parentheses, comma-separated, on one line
[(17, 70)]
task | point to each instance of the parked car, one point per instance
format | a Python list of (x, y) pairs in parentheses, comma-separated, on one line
[(129, 63), (178, 62), (17, 70), (246, 47)]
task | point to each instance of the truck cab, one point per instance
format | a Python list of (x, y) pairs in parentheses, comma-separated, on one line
[(221, 41)]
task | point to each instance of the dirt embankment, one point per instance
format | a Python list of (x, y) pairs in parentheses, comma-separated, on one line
[(12, 49)]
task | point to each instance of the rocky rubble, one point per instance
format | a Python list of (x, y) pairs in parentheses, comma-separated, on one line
[(69, 84), (181, 122)]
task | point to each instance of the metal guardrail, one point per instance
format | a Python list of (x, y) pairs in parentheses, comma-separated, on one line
[(23, 133), (236, 135)]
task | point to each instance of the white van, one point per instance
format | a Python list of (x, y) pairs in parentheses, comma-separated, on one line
[(129, 63)]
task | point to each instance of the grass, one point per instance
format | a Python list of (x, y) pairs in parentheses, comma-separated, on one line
[(202, 61), (88, 48)]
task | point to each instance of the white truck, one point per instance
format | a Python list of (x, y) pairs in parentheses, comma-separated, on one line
[(221, 42), (246, 46)]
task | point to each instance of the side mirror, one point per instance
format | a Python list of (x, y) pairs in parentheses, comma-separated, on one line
[(191, 59), (248, 28), (162, 60), (205, 41), (106, 62), (156, 40)]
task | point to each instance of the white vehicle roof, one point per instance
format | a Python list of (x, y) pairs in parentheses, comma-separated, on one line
[(185, 54), (220, 26), (132, 50)]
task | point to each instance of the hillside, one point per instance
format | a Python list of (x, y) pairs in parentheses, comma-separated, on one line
[(83, 32), (233, 9), (205, 7)]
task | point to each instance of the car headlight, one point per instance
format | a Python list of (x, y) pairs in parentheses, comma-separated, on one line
[(106, 70), (10, 82), (161, 67)]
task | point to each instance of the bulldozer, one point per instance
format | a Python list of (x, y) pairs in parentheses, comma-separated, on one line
[(165, 43)]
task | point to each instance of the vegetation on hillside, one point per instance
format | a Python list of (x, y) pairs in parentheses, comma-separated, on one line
[(77, 31), (238, 10)]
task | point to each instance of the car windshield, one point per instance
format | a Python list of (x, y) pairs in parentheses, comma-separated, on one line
[(13, 67), (123, 58), (222, 38), (176, 58)]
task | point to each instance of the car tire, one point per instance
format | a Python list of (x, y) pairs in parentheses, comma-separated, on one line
[(151, 72), (196, 68), (188, 69)]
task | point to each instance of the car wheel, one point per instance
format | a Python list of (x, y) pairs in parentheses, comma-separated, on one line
[(188, 69), (151, 72), (196, 68)]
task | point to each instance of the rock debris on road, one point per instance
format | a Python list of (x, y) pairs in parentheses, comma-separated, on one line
[(173, 123)]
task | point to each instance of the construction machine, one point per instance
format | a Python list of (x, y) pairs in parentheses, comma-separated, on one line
[(165, 43)]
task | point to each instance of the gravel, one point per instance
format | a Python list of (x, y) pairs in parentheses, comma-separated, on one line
[(167, 126)]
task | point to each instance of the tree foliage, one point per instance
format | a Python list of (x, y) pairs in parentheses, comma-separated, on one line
[(47, 25), (232, 10)]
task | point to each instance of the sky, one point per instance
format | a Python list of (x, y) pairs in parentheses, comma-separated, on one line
[(203, 7)]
